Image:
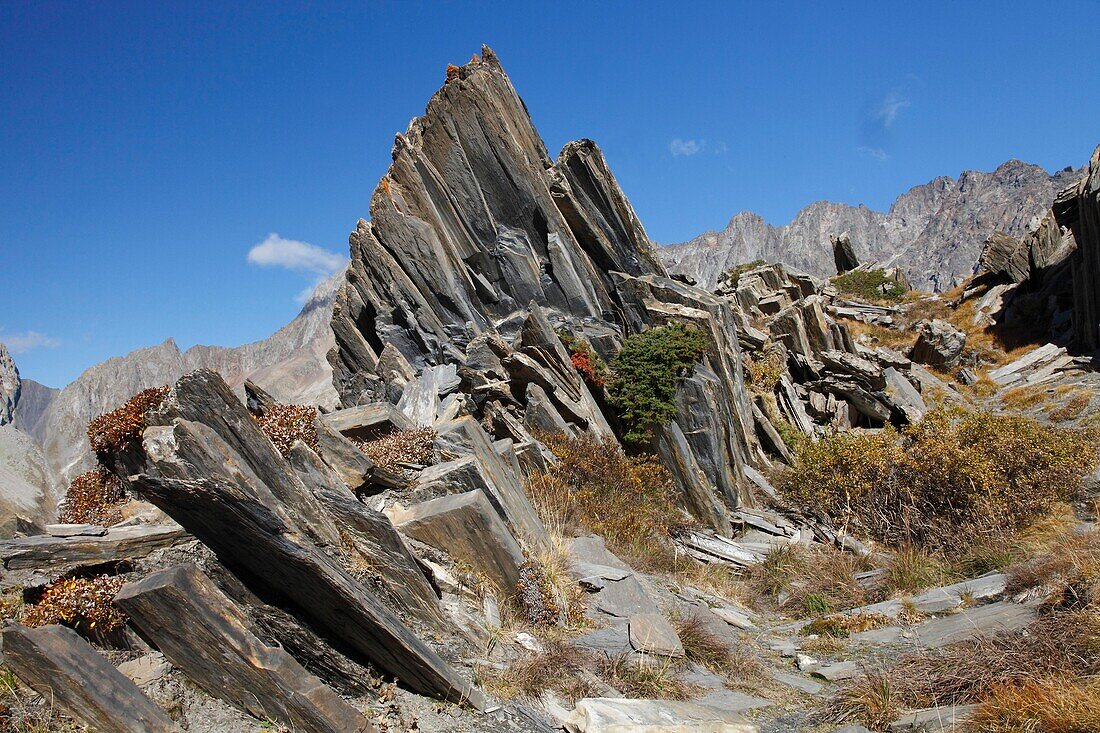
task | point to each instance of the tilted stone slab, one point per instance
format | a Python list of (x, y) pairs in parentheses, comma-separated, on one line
[(368, 421), (467, 528), (59, 665), (46, 552), (202, 632), (612, 715)]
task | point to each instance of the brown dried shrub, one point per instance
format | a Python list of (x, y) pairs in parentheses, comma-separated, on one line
[(284, 424), (86, 605), (393, 452), (559, 667), (94, 497), (1053, 705), (629, 500), (644, 679), (112, 430), (955, 479)]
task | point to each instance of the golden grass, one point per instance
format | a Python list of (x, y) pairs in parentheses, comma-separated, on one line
[(645, 678), (559, 667), (1051, 705), (1078, 401), (810, 582)]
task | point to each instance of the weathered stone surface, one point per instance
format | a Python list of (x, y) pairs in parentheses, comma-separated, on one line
[(625, 598), (46, 552), (256, 514), (938, 344), (471, 223), (1006, 257), (651, 633), (844, 255), (609, 715), (364, 422), (837, 671), (467, 528), (146, 669), (62, 667), (201, 631), (503, 486)]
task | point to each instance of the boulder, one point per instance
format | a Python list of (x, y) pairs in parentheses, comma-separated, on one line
[(612, 715), (467, 528), (844, 256), (202, 632), (938, 344), (59, 665)]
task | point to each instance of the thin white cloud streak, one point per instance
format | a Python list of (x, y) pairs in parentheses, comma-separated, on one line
[(289, 254), (20, 343), (877, 153), (679, 147), (887, 111)]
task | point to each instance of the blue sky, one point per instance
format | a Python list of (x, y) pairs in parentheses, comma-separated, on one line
[(147, 148)]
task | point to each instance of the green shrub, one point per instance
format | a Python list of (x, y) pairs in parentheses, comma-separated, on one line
[(647, 372), (734, 274), (955, 479), (867, 284)]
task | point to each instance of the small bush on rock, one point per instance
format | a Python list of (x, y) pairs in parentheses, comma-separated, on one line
[(647, 372), (404, 447), (93, 497), (956, 478), (284, 424), (869, 285), (536, 597), (112, 430), (588, 363), (85, 605)]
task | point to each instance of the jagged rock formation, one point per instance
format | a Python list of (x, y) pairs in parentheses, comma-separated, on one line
[(934, 232), (290, 363), (479, 245), (9, 386), (26, 480), (1049, 280)]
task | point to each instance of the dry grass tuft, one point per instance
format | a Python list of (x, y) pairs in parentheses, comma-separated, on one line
[(1025, 397), (559, 667), (86, 605), (94, 497), (644, 678), (401, 449), (26, 712), (114, 429), (841, 626), (1060, 644), (704, 647), (809, 582), (1052, 705), (284, 424), (912, 570), (1068, 574), (628, 500), (1078, 401)]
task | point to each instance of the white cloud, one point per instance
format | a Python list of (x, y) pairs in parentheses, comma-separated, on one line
[(720, 149), (680, 147), (877, 153), (888, 109), (19, 343), (292, 255)]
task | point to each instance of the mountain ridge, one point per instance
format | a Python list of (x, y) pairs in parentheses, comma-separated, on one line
[(934, 231)]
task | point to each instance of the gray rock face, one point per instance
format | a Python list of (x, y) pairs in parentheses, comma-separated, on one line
[(472, 223), (9, 386), (290, 364), (935, 232), (938, 344)]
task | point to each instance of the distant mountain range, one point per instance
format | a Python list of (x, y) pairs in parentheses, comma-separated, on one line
[(934, 232), (42, 430)]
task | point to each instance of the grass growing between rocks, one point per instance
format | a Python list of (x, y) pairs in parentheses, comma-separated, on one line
[(870, 285), (804, 582), (1041, 678), (628, 500)]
